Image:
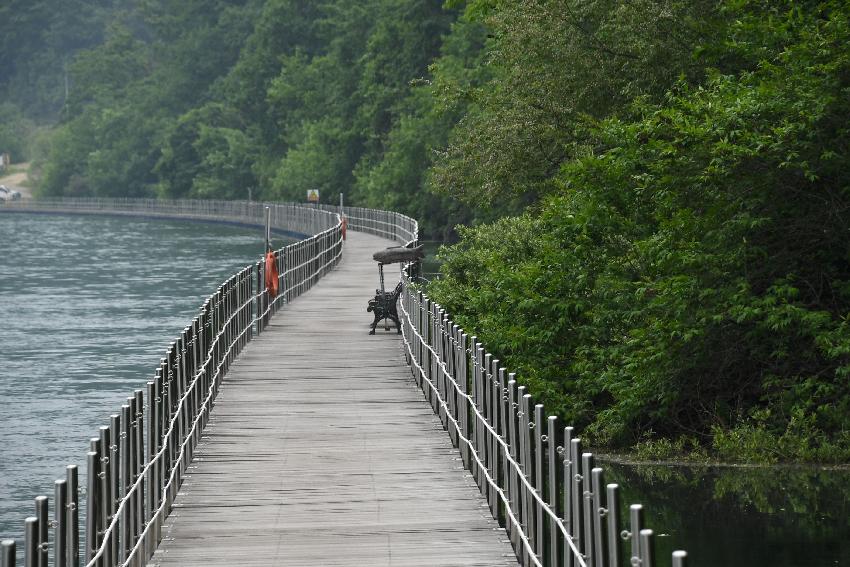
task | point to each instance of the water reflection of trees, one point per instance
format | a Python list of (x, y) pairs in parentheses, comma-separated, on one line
[(744, 516)]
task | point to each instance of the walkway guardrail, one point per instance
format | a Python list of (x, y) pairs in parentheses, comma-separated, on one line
[(137, 462), (387, 224), (538, 481), (296, 220)]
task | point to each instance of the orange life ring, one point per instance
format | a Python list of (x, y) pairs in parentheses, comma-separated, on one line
[(344, 226), (271, 274)]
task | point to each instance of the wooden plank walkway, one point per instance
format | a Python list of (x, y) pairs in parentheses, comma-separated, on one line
[(321, 450)]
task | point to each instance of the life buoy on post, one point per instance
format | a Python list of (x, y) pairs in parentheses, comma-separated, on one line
[(271, 274), (344, 226)]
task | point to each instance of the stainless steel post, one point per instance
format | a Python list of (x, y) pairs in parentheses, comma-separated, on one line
[(597, 483), (575, 495), (114, 475), (125, 463), (613, 517), (151, 440), (463, 382), (41, 512), (268, 231), (538, 478), (139, 500), (587, 508), (530, 502), (513, 483), (155, 434), (647, 548), (60, 516), (552, 493), (7, 553), (680, 558), (107, 500), (522, 441), (31, 551), (92, 505), (567, 512), (73, 524), (636, 521)]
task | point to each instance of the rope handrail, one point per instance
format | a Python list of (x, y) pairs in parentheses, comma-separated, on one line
[(550, 497)]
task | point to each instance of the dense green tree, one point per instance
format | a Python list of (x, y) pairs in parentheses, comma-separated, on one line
[(38, 41), (690, 274), (207, 155), (159, 60), (398, 178), (15, 132), (558, 64)]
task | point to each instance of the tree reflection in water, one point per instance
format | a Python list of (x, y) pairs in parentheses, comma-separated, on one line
[(742, 516)]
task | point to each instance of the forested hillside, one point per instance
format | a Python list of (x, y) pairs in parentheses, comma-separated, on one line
[(38, 41), (206, 98), (656, 192)]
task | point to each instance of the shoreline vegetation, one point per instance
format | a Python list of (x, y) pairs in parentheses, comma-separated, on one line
[(647, 201)]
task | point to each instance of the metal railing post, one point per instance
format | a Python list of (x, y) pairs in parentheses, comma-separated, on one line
[(596, 512), (613, 517), (60, 517), (31, 548), (41, 512), (7, 553), (587, 507), (552, 484), (636, 524), (108, 500), (92, 504), (647, 548), (73, 513)]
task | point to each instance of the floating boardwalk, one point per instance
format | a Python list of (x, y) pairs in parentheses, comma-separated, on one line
[(322, 450), (312, 443)]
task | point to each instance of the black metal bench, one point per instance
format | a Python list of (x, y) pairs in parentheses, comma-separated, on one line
[(384, 307)]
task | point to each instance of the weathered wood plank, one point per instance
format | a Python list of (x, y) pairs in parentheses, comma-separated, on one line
[(322, 451)]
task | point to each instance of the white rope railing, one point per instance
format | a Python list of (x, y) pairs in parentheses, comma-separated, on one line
[(128, 496), (550, 497)]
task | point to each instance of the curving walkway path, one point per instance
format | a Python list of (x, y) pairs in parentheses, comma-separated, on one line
[(321, 450)]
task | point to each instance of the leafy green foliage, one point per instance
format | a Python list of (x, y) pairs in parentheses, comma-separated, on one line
[(557, 65), (690, 274), (38, 40)]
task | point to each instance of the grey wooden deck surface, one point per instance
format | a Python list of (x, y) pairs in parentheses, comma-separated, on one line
[(321, 450)]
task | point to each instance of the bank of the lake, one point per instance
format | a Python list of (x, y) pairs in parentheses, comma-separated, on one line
[(88, 305)]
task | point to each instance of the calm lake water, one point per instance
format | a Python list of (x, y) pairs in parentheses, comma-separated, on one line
[(742, 517), (88, 305)]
